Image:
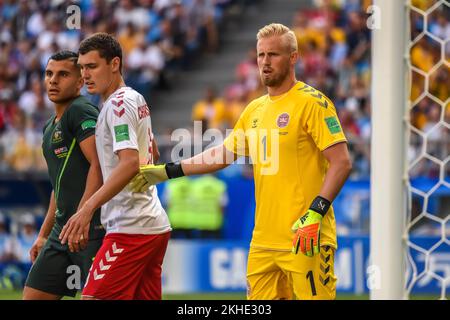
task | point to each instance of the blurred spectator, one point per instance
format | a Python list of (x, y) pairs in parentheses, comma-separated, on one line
[(21, 244), (128, 38), (235, 102), (439, 25), (30, 99), (178, 203), (125, 14), (437, 135), (209, 198), (202, 15), (247, 72), (8, 108), (145, 63), (358, 39), (184, 34), (439, 83), (20, 144), (5, 239), (419, 114), (210, 109), (424, 55), (433, 117), (157, 36), (196, 206)]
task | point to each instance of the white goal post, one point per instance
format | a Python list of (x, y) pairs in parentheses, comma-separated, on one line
[(388, 187)]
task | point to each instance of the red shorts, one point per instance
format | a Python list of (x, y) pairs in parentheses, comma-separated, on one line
[(127, 267)]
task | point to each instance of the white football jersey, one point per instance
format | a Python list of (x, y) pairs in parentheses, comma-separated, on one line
[(124, 123)]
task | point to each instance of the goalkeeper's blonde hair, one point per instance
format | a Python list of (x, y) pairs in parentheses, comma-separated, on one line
[(278, 29)]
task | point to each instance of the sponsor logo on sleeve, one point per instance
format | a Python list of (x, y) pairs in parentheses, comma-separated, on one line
[(333, 125), (88, 124), (121, 132)]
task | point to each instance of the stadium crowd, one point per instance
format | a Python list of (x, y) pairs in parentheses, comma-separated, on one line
[(17, 235), (157, 36)]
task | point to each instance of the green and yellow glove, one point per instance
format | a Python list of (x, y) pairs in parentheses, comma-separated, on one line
[(151, 174), (307, 228)]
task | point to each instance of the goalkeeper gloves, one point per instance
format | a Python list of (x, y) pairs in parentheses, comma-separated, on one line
[(307, 228), (153, 174)]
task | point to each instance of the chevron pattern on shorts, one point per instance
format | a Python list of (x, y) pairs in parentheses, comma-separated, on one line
[(325, 265)]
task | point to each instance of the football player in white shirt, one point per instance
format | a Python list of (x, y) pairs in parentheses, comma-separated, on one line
[(128, 265)]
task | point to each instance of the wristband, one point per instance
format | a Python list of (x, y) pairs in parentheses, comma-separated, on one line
[(174, 170), (320, 205)]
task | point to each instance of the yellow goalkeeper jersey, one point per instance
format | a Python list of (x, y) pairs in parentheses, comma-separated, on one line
[(284, 137)]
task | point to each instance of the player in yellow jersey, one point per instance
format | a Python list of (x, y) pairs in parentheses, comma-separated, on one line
[(300, 162)]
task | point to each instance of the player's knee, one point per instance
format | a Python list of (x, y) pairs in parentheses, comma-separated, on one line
[(26, 294), (34, 294), (30, 294)]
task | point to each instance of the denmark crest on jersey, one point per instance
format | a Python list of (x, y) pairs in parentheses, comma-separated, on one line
[(283, 120)]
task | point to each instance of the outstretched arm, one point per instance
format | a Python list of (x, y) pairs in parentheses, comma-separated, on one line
[(211, 160), (208, 161), (155, 151)]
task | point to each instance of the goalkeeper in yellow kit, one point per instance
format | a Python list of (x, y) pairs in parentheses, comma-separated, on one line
[(300, 162)]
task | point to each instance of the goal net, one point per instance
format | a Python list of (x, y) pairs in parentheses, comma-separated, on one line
[(427, 232), (410, 253)]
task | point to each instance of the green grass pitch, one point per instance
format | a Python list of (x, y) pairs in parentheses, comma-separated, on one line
[(17, 295)]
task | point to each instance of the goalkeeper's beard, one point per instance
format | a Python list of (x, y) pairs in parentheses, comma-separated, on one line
[(277, 79)]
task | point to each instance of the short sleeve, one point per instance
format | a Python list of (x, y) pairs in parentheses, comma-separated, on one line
[(82, 120), (236, 141), (321, 122), (123, 122)]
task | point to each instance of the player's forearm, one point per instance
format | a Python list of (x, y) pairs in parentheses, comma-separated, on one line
[(94, 181), (335, 178), (208, 161), (155, 151), (49, 220), (126, 169)]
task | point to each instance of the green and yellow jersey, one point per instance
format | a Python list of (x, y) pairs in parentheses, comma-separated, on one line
[(284, 137), (67, 166)]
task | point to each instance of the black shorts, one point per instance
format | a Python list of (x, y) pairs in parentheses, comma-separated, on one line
[(61, 272)]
